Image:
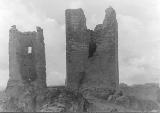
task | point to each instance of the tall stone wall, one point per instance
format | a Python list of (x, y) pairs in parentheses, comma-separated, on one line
[(92, 56), (27, 65), (76, 47)]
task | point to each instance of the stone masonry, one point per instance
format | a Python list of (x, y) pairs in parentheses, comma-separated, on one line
[(27, 65), (91, 55), (76, 47), (91, 60)]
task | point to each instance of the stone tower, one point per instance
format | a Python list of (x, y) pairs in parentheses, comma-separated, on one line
[(76, 46), (91, 55), (27, 65)]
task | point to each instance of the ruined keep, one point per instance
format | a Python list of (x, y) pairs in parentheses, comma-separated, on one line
[(92, 81), (91, 62), (91, 55), (27, 64)]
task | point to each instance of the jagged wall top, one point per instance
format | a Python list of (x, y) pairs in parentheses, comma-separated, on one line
[(110, 17), (13, 29), (75, 19)]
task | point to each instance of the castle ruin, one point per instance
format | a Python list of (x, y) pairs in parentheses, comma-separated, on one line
[(27, 64), (91, 55), (91, 59)]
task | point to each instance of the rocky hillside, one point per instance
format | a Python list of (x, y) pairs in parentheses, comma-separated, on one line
[(147, 91), (129, 98), (142, 97)]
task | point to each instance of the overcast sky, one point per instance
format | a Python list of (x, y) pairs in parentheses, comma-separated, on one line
[(139, 34)]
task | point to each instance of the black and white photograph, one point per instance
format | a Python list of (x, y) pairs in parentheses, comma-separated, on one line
[(80, 56)]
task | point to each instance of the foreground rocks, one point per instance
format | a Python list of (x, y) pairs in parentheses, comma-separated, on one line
[(60, 99)]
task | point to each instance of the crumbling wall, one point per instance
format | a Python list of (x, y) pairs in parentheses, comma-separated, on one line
[(76, 47), (92, 56), (27, 65)]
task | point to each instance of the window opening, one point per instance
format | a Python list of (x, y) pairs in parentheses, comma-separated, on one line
[(29, 50)]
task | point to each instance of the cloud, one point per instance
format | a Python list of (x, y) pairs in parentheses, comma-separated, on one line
[(57, 79), (75, 4), (55, 51), (138, 50)]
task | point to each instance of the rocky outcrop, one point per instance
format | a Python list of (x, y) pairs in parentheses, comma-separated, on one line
[(141, 91), (27, 67), (142, 97), (60, 99), (92, 56)]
